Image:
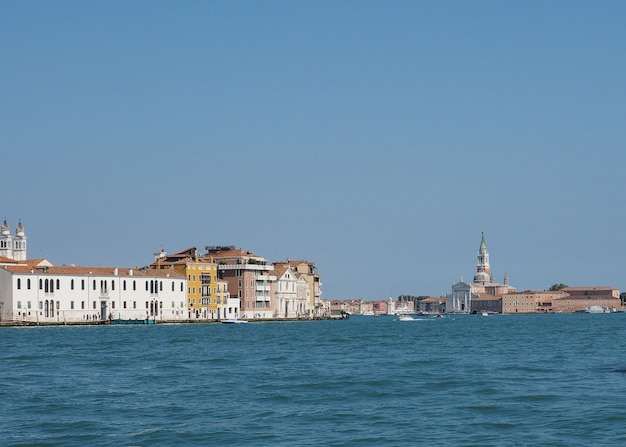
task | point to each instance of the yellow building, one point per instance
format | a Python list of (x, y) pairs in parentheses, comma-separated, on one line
[(201, 277)]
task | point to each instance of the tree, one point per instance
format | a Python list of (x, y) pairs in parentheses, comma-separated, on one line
[(555, 287)]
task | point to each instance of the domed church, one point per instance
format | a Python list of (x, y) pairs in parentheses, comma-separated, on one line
[(483, 285)]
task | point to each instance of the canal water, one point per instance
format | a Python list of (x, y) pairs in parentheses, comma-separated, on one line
[(520, 380)]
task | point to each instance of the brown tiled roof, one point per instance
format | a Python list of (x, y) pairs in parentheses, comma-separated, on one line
[(97, 271), (588, 288), (279, 270), (230, 253)]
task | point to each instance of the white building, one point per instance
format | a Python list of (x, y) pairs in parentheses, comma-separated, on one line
[(38, 292)]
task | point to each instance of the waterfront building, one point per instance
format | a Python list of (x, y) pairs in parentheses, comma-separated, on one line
[(38, 292), (287, 302), (201, 277), (483, 285), (580, 299), (13, 248), (530, 301), (248, 276), (309, 272), (432, 305)]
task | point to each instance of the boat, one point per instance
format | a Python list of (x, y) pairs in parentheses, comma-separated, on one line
[(484, 313), (597, 310), (406, 318), (234, 321)]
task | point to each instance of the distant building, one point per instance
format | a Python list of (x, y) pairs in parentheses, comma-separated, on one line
[(583, 298), (432, 305), (483, 286)]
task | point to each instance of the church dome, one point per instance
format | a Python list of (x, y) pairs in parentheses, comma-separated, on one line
[(482, 277)]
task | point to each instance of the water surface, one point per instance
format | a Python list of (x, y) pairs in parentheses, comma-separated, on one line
[(522, 380)]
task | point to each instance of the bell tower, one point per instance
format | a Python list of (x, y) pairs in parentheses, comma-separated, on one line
[(6, 243), (19, 243), (483, 257)]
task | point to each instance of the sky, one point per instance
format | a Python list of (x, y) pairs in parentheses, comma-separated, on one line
[(376, 139)]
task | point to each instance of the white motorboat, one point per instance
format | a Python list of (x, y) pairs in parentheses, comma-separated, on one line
[(234, 321), (406, 318)]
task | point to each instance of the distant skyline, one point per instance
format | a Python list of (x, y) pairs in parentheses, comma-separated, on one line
[(375, 139)]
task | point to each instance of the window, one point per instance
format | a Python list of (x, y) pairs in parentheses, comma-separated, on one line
[(94, 304), (112, 304), (19, 304), (28, 283), (19, 283), (172, 286), (72, 305), (82, 284), (124, 304), (72, 284), (146, 288), (134, 304), (161, 286), (58, 284), (82, 304), (29, 304), (124, 285), (94, 286), (113, 285), (181, 286), (134, 285)]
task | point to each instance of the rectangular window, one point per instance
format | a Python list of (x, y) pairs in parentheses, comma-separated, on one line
[(124, 285), (94, 304), (19, 304), (124, 304), (112, 304), (134, 304), (113, 285), (82, 304), (72, 284), (19, 283), (94, 286), (72, 305), (173, 306), (28, 283), (82, 284), (29, 304)]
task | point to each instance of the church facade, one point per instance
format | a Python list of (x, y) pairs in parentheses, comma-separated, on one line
[(466, 296)]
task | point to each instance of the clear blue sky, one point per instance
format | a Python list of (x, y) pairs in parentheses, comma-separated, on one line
[(377, 139)]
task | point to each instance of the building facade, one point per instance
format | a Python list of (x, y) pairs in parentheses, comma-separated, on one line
[(201, 275), (249, 279), (309, 273), (39, 292)]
